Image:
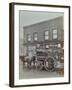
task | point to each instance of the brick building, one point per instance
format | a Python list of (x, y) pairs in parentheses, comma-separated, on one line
[(43, 35)]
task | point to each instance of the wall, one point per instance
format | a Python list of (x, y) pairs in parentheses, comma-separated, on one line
[(41, 27), (4, 44)]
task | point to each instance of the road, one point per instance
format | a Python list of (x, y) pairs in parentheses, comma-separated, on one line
[(29, 74)]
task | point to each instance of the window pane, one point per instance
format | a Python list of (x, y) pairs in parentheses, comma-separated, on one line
[(35, 36), (54, 34), (46, 32), (54, 31), (29, 37), (46, 37)]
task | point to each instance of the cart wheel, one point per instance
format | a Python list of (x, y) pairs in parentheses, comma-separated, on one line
[(49, 64), (40, 65)]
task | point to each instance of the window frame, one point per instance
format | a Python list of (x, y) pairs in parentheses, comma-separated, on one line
[(46, 35), (28, 37), (54, 34), (34, 36)]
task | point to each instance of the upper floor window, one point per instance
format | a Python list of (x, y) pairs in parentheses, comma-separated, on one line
[(35, 36), (55, 34), (29, 37), (46, 35)]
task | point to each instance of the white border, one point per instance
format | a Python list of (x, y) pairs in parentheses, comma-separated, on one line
[(16, 46)]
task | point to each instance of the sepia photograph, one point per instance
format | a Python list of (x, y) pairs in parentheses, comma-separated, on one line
[(39, 44)]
